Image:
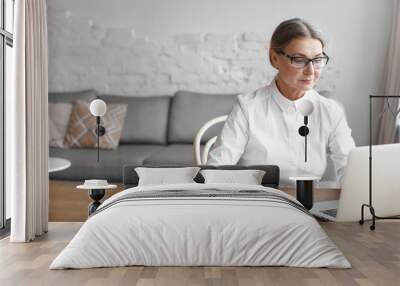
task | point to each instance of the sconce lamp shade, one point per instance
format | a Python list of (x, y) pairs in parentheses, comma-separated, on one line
[(306, 107), (98, 107)]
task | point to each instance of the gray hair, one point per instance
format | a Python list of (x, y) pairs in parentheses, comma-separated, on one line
[(293, 29)]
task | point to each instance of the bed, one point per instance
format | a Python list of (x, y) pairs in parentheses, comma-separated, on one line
[(199, 224)]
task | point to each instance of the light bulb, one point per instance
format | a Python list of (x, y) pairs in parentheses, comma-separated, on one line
[(306, 107), (98, 107)]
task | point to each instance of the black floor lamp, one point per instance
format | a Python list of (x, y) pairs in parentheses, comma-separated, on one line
[(369, 205)]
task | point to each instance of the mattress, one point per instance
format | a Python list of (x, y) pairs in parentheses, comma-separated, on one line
[(201, 225)]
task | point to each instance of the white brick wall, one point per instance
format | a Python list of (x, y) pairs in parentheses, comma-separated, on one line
[(84, 54)]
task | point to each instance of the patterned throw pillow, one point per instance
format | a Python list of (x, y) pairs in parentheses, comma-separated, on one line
[(82, 126), (59, 114)]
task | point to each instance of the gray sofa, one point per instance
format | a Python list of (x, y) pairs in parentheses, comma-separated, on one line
[(158, 130)]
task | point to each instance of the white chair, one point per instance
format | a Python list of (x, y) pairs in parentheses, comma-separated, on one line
[(201, 159)]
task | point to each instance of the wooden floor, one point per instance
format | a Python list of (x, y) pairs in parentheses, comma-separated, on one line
[(375, 257)]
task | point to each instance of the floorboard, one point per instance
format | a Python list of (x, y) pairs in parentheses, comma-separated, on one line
[(374, 255)]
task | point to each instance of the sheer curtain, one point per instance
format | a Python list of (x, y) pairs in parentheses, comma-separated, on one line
[(27, 145), (388, 131)]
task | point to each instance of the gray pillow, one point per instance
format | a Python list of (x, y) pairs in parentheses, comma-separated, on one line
[(146, 118)]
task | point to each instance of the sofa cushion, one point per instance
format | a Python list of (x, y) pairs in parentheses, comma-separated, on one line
[(59, 114), (190, 110), (85, 166), (146, 119), (172, 155), (81, 131), (69, 97)]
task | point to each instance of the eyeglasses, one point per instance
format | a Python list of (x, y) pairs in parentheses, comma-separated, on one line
[(301, 62)]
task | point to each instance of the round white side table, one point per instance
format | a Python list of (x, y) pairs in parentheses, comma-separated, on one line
[(96, 193), (58, 164)]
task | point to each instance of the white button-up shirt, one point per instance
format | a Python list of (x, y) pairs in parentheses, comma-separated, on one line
[(263, 129)]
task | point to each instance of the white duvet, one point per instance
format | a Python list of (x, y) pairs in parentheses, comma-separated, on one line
[(200, 231)]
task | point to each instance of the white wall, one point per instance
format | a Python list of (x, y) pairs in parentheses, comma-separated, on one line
[(157, 47)]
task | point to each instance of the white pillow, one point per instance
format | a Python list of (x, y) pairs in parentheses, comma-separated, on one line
[(162, 176), (248, 177), (59, 114)]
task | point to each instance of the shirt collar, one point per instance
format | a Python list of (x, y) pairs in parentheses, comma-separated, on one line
[(285, 104)]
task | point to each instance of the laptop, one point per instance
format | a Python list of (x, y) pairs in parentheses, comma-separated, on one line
[(355, 186)]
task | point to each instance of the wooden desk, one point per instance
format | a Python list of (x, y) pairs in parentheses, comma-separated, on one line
[(320, 194), (66, 203)]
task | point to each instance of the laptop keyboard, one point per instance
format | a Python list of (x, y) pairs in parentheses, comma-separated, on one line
[(331, 212)]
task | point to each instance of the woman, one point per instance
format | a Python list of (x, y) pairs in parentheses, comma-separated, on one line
[(263, 126)]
